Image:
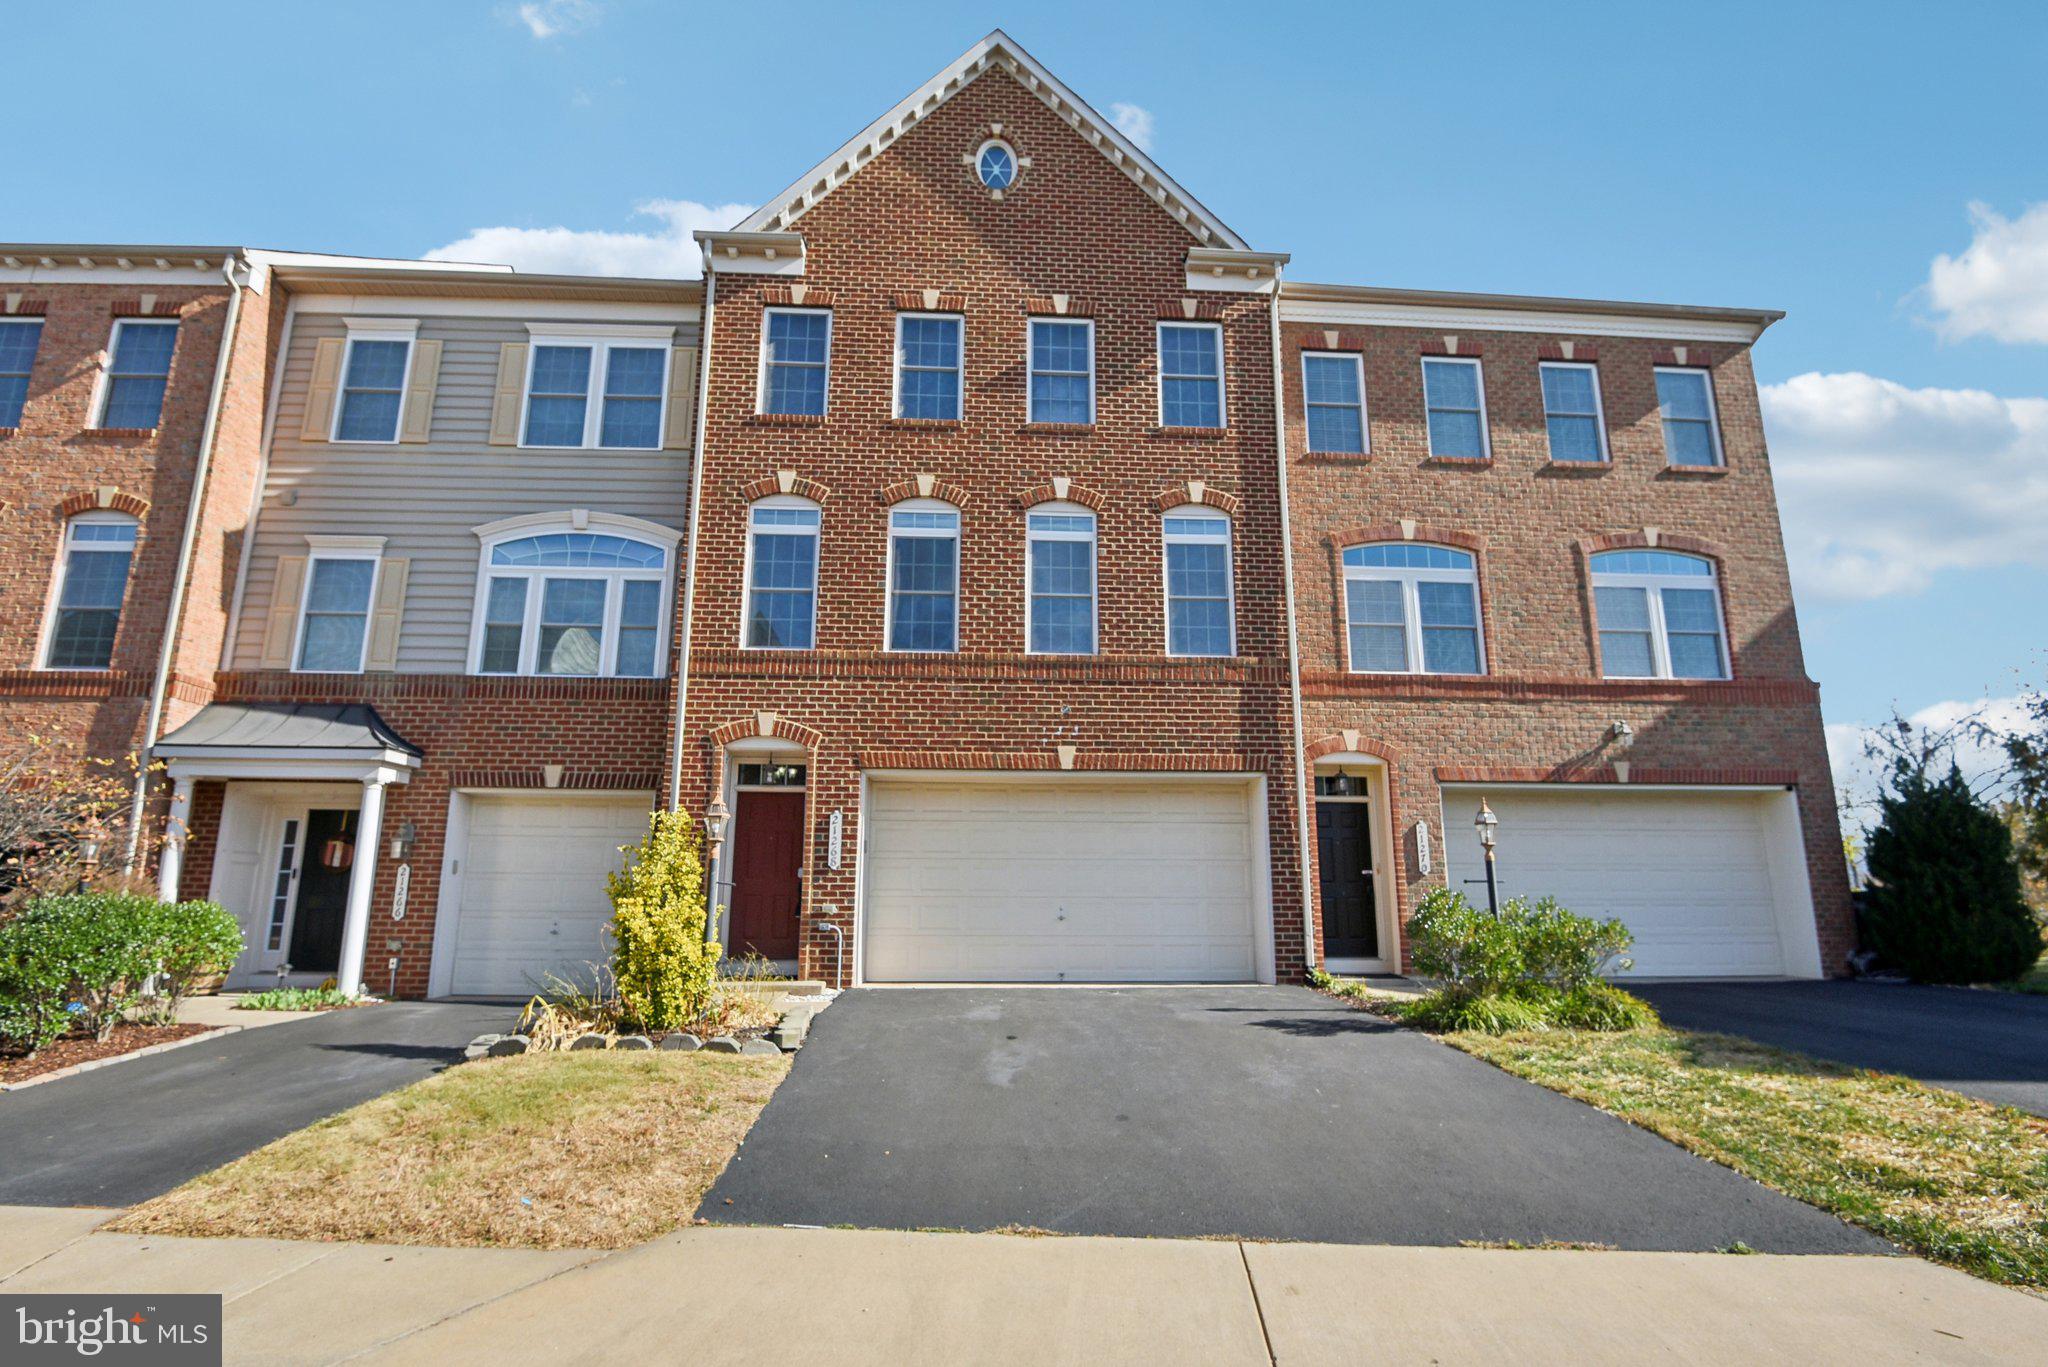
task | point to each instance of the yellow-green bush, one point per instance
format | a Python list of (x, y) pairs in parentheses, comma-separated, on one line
[(664, 967)]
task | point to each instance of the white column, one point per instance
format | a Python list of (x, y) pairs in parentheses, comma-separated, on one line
[(355, 929), (172, 858)]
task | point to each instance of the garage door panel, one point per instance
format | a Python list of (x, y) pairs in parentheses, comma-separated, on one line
[(1058, 882), (533, 898), (1689, 874)]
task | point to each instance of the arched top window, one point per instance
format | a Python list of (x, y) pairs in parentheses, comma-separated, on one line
[(1412, 608), (1659, 615), (1059, 602), (1200, 619), (782, 574), (92, 582), (924, 575), (587, 594)]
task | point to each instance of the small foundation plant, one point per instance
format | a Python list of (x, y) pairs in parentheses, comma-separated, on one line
[(1536, 966)]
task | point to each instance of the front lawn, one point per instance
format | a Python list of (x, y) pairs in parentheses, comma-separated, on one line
[(1954, 1179), (550, 1150)]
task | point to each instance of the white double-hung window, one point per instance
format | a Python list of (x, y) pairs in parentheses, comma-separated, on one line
[(373, 376), (1411, 608), (782, 574), (334, 615), (929, 366), (19, 338), (92, 583), (598, 386), (1659, 615), (1191, 375), (1333, 391), (138, 371), (1059, 606), (924, 576), (1198, 591), (796, 360), (1685, 404), (584, 594), (1571, 412), (1454, 392), (1062, 371)]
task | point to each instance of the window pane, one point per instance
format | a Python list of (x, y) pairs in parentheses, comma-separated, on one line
[(780, 620), (798, 338), (1188, 351), (95, 579), (1447, 650), (1696, 657), (1061, 362), (561, 370), (925, 563), (333, 642), (1407, 555), (1688, 443), (337, 613), (1451, 384), (1059, 346), (1692, 624), (931, 394), (373, 391), (1567, 389), (796, 389), (571, 626), (1651, 562), (368, 417), (1198, 626), (1191, 403), (580, 550), (1682, 394), (1063, 626), (782, 561), (377, 365), (1381, 649), (133, 402), (1059, 398), (1197, 571), (931, 342), (639, 613), (923, 621), (13, 397), (1376, 612), (1335, 429), (17, 357), (340, 586), (1574, 439), (1062, 567), (635, 372), (504, 624), (554, 421), (1455, 434), (634, 424), (1622, 609), (1626, 654), (1447, 605), (1331, 379)]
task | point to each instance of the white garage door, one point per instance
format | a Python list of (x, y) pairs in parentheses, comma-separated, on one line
[(533, 891), (1692, 875), (1059, 882)]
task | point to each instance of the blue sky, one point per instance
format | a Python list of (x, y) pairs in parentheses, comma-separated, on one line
[(1872, 177)]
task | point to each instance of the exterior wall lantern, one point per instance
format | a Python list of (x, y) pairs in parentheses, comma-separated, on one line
[(715, 819), (1487, 824)]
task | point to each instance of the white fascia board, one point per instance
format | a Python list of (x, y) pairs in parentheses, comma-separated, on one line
[(1509, 320), (391, 305)]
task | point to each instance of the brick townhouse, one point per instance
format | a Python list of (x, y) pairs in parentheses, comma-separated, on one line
[(1024, 578)]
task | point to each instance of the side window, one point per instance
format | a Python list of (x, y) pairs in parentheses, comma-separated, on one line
[(1454, 391), (1060, 598), (1198, 589), (18, 341), (1571, 412), (796, 356), (1062, 364), (1692, 429), (1411, 608), (138, 368), (1659, 615), (335, 621), (572, 602), (1191, 375), (924, 576), (782, 575), (92, 580), (372, 388), (928, 366), (1333, 387)]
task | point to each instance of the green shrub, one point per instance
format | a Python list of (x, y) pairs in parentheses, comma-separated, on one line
[(1601, 1006), (198, 941), (297, 999), (1458, 1008), (664, 967), (1944, 902), (80, 960)]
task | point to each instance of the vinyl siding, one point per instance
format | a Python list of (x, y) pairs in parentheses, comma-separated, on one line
[(426, 498)]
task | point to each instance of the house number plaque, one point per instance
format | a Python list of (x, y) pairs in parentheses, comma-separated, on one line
[(399, 888), (835, 839)]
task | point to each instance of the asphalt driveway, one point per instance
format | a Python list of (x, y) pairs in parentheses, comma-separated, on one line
[(1263, 1112), (123, 1134), (1992, 1045)]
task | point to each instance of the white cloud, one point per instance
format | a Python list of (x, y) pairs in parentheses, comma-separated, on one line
[(1857, 776), (1134, 121), (1998, 287), (546, 19), (666, 252), (1883, 486)]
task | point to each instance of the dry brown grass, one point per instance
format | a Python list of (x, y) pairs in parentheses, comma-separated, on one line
[(559, 1150)]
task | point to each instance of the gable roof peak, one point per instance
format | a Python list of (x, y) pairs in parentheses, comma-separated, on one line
[(997, 50)]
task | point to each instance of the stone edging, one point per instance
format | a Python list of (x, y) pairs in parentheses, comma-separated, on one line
[(89, 1065)]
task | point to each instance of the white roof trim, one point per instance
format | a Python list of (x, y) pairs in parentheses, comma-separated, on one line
[(1507, 319), (998, 49)]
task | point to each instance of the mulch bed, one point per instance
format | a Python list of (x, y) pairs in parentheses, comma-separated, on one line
[(84, 1049)]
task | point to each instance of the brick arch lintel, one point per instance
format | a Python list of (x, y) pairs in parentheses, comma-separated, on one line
[(768, 725), (1651, 538), (1408, 531), (1060, 489), (1200, 492), (106, 498), (1350, 742), (924, 486), (784, 482)]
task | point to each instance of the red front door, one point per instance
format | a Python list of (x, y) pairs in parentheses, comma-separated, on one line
[(766, 884)]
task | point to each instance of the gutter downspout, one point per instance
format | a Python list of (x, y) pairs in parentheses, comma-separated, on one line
[(675, 769), (194, 504), (1301, 785)]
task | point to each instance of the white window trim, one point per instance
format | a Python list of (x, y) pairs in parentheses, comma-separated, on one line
[(915, 505), (1411, 605), (1166, 539), (103, 383), (404, 330), (1599, 410), (896, 372), (319, 548), (1016, 166), (1160, 379), (1713, 416), (1485, 428), (747, 573), (600, 338), (494, 534), (761, 366), (56, 593), (1364, 415), (34, 353), (1094, 539), (1653, 597), (1031, 375)]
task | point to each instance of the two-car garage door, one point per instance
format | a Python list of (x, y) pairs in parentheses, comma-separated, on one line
[(1711, 884), (1058, 881)]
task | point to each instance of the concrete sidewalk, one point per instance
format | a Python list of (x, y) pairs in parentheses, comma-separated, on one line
[(725, 1294)]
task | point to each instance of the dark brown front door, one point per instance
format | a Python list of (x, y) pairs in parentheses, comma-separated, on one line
[(767, 886), (1344, 853), (323, 894)]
